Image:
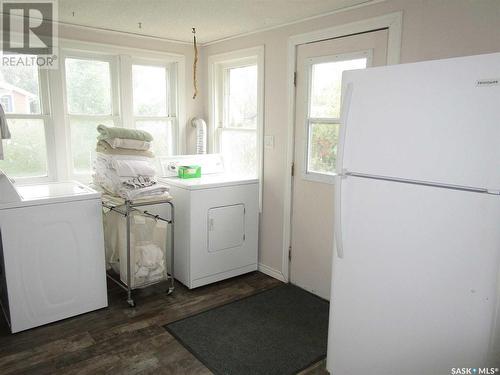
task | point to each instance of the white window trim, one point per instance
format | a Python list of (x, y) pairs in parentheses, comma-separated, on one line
[(172, 98), (305, 173), (46, 115), (216, 65), (60, 163), (114, 116)]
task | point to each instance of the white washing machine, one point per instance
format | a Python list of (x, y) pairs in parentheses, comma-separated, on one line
[(51, 252), (216, 221)]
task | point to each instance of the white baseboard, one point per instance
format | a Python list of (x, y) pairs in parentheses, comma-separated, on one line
[(272, 272)]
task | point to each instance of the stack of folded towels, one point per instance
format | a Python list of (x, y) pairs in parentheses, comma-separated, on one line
[(124, 164)]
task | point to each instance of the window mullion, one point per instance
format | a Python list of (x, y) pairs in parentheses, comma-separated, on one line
[(48, 124), (324, 120), (114, 67), (126, 92), (227, 93), (153, 118), (239, 129), (26, 116)]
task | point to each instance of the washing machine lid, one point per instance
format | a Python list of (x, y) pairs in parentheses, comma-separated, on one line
[(50, 193), (210, 181)]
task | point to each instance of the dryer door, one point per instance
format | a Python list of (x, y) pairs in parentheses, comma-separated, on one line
[(226, 227)]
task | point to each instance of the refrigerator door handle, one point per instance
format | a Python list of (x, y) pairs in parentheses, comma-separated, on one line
[(344, 112), (337, 222), (341, 173)]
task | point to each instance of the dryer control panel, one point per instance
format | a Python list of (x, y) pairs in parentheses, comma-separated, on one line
[(210, 163)]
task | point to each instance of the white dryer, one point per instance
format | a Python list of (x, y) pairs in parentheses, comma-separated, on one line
[(216, 221), (51, 252)]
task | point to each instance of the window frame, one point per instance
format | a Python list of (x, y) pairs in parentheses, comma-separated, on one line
[(219, 66), (121, 88), (306, 174), (46, 116), (171, 97), (114, 116), (9, 107)]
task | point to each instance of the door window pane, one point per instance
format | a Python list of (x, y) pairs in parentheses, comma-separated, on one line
[(88, 86), (161, 130), (19, 89), (322, 152), (239, 149), (326, 87), (25, 153), (242, 97), (150, 90), (83, 143)]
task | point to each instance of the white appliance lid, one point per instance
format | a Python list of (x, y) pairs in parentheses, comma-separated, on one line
[(209, 181), (53, 192), (8, 192)]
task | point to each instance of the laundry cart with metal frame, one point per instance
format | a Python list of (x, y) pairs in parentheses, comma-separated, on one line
[(139, 254)]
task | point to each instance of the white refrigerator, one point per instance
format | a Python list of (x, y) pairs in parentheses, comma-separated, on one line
[(415, 286)]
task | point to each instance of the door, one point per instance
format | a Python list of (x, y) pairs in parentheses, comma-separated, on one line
[(416, 289), (319, 71)]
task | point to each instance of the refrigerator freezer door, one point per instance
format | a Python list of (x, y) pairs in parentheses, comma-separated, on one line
[(435, 121), (416, 290)]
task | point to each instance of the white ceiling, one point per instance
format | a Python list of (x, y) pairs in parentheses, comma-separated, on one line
[(213, 19)]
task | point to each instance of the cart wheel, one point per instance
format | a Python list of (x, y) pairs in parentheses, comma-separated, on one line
[(131, 302)]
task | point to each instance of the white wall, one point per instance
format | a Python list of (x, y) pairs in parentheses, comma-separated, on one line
[(432, 29), (194, 107)]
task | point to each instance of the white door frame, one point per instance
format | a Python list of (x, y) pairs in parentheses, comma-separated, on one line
[(393, 22)]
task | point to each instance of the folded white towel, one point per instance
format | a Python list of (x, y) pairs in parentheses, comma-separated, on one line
[(159, 191), (139, 182), (132, 144), (108, 158), (133, 168)]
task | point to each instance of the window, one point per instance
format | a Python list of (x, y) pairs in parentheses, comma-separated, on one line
[(237, 110), (116, 91), (89, 102), (241, 96), (238, 133), (151, 106), (6, 102), (53, 126), (324, 101), (26, 153)]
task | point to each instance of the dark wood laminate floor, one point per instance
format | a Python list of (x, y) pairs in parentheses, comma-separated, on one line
[(124, 340)]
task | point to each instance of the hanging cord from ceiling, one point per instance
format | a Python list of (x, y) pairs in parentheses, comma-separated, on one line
[(195, 63)]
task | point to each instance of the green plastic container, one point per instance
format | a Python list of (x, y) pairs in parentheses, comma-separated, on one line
[(189, 171)]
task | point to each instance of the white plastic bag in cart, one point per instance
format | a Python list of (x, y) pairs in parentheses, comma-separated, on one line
[(148, 248)]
